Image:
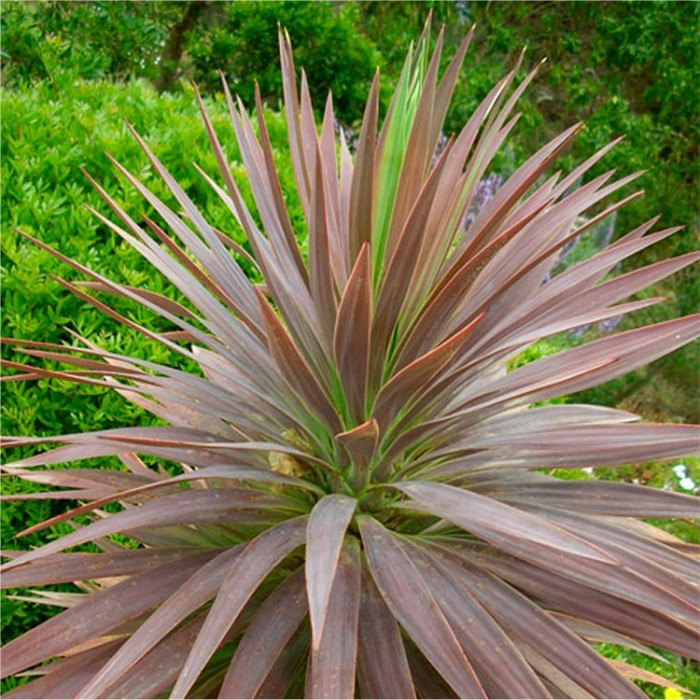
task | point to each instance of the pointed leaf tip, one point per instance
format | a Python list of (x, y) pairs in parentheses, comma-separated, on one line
[(361, 442), (351, 339)]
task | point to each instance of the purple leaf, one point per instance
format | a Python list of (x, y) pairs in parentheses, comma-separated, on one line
[(258, 558), (325, 532), (413, 604), (269, 632), (334, 656), (351, 340), (383, 668)]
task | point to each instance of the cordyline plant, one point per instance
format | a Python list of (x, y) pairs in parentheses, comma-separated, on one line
[(364, 505)]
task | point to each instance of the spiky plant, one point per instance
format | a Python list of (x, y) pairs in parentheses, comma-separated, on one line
[(364, 504)]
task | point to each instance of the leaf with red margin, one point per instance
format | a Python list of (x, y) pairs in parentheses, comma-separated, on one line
[(351, 340), (334, 658), (383, 670), (325, 532), (270, 630), (255, 562), (412, 603)]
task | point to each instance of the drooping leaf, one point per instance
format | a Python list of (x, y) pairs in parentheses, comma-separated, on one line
[(63, 679), (99, 613), (326, 528), (540, 631), (334, 657), (646, 625), (192, 594), (504, 671), (383, 670)]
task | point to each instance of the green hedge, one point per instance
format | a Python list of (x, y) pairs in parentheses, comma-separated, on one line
[(46, 139), (623, 67)]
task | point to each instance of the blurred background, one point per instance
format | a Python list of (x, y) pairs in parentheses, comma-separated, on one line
[(629, 68), (73, 71)]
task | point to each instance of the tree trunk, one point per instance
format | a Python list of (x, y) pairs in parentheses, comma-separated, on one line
[(172, 51)]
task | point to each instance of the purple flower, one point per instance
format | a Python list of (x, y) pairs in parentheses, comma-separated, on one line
[(348, 133), (439, 148), (484, 192), (610, 324)]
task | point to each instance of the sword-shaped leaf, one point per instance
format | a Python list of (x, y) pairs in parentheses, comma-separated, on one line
[(375, 379), (191, 595), (402, 387), (78, 566), (325, 532), (293, 367), (167, 657), (99, 613), (595, 497), (602, 360), (292, 113), (533, 625), (65, 678), (650, 626), (486, 643), (320, 267), (247, 572), (361, 204), (414, 606), (191, 507), (334, 656), (510, 529), (269, 632), (641, 674), (383, 670), (351, 340)]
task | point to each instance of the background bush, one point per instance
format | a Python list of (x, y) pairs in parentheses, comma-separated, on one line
[(328, 45), (74, 71), (46, 139)]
